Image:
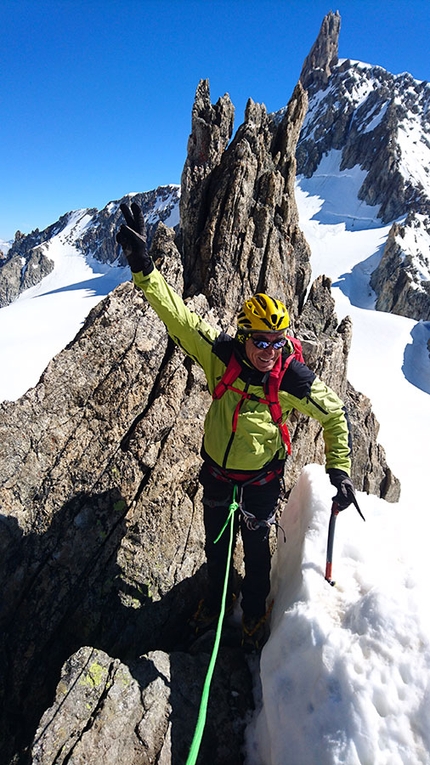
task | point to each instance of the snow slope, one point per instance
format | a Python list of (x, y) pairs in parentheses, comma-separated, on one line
[(4, 247), (41, 322), (345, 674)]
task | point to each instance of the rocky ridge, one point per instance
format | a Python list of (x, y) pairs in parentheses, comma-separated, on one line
[(100, 527)]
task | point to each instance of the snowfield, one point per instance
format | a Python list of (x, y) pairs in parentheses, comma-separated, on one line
[(44, 318)]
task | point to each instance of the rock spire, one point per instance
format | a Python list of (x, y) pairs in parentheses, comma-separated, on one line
[(323, 55)]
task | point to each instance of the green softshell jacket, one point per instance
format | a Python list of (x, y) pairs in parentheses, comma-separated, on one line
[(257, 440)]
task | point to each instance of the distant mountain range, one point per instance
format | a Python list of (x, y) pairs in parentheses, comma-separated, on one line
[(361, 117), (28, 259)]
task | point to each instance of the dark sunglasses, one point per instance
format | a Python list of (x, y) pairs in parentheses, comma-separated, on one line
[(261, 343)]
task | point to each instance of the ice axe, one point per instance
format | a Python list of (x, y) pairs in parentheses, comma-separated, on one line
[(335, 510), (331, 527)]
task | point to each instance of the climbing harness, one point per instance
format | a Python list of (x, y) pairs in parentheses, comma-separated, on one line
[(252, 479), (245, 478), (252, 523)]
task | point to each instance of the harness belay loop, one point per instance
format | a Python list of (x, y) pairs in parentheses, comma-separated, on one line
[(253, 523)]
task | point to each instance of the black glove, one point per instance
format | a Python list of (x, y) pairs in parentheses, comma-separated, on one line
[(345, 488), (132, 239)]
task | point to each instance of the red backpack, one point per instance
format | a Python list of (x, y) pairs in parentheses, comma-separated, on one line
[(231, 374)]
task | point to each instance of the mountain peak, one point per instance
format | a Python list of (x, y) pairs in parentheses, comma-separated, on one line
[(323, 55)]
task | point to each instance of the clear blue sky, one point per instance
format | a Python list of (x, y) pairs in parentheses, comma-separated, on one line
[(96, 95)]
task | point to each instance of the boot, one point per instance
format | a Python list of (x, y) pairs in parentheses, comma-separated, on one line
[(206, 616), (255, 631)]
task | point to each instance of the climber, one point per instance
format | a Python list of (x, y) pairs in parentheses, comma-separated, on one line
[(250, 453)]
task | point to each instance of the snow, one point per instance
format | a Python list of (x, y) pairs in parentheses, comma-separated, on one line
[(44, 318), (345, 675), (414, 162), (416, 242), (4, 247), (336, 195), (360, 65), (162, 203), (380, 112)]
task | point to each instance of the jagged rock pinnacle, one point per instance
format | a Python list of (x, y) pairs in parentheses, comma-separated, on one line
[(324, 53)]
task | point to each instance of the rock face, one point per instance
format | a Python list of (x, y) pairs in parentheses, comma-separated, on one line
[(323, 55), (96, 693), (29, 259), (377, 122), (101, 532), (402, 278), (18, 273), (98, 238), (362, 110)]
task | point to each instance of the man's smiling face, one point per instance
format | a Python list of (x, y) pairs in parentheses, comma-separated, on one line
[(264, 359)]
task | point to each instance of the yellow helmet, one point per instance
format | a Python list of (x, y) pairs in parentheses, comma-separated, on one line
[(263, 313)]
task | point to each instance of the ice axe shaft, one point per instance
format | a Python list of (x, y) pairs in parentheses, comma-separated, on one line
[(330, 541)]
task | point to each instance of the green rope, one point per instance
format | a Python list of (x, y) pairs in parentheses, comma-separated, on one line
[(201, 720)]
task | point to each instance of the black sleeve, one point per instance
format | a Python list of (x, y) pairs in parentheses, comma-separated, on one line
[(298, 379), (223, 347)]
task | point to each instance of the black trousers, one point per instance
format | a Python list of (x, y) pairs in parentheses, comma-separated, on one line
[(261, 501)]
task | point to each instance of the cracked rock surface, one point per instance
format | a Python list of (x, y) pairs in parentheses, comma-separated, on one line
[(108, 713)]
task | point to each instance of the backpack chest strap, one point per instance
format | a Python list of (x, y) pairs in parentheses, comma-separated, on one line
[(244, 396)]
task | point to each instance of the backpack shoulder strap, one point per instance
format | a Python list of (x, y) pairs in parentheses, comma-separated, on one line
[(273, 385), (272, 388), (278, 371), (231, 374), (297, 350)]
